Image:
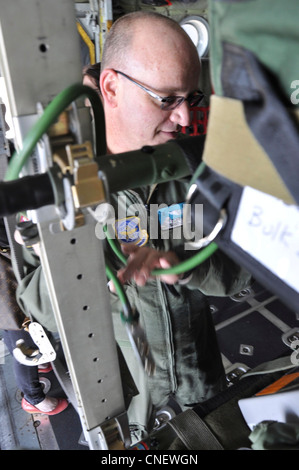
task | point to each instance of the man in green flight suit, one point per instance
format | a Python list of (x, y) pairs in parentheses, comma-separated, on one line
[(148, 82)]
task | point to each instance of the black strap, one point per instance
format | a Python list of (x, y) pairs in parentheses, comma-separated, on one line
[(193, 432)]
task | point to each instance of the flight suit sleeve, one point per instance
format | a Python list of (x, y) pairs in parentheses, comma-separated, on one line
[(33, 298), (218, 276)]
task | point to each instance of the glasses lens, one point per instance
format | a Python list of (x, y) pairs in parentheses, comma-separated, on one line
[(195, 99), (171, 102)]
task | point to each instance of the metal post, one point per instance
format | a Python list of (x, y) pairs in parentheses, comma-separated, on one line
[(36, 68)]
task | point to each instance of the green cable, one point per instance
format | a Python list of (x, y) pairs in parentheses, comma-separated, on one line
[(180, 268), (113, 246), (50, 115), (117, 284), (189, 264), (128, 315)]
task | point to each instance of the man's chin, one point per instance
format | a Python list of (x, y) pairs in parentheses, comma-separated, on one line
[(164, 137)]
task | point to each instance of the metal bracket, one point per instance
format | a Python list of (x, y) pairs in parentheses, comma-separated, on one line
[(77, 286), (211, 236), (34, 357), (111, 434), (83, 186), (88, 189), (291, 337), (234, 372)]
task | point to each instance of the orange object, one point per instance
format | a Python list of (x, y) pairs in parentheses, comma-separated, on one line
[(279, 384)]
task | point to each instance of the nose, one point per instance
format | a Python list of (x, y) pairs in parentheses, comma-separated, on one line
[(181, 115)]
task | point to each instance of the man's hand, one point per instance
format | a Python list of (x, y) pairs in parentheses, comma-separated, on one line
[(143, 260)]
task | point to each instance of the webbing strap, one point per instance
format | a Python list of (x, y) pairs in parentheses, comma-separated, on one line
[(282, 363), (193, 432)]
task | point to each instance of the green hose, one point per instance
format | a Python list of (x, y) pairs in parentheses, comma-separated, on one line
[(190, 263), (117, 284), (180, 268), (126, 314), (50, 115)]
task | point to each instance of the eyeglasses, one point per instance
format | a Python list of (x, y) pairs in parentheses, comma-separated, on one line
[(169, 103)]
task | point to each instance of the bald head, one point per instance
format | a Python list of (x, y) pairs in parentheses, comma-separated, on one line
[(156, 53), (143, 37)]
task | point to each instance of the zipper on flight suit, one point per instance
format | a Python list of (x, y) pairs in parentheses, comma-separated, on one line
[(164, 302)]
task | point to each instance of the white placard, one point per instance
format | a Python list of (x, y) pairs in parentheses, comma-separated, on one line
[(268, 230)]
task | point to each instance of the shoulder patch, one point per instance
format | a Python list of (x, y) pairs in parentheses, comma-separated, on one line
[(127, 230), (171, 216)]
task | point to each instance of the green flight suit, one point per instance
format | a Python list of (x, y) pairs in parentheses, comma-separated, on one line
[(177, 321)]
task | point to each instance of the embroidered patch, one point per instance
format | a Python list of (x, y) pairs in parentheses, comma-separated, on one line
[(171, 217), (128, 230)]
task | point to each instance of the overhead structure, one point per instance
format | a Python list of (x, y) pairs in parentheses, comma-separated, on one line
[(198, 30)]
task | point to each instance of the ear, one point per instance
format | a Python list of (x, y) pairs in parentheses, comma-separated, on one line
[(109, 85)]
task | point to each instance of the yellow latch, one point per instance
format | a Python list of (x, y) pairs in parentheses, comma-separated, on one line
[(88, 189)]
